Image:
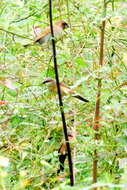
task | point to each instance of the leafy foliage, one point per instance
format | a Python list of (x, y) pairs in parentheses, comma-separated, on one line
[(31, 129)]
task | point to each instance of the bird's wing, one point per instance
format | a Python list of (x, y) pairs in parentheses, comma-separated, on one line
[(65, 90), (63, 148), (43, 34), (62, 156)]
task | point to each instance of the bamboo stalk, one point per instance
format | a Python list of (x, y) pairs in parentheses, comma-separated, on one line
[(98, 99)]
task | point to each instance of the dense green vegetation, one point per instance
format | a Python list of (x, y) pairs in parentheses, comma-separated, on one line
[(30, 120)]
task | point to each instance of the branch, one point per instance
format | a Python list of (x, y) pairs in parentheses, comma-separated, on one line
[(60, 98), (25, 18), (14, 34)]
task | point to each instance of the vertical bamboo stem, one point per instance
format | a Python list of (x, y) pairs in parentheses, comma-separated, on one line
[(97, 108)]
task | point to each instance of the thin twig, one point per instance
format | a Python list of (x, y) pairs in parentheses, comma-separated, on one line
[(68, 13), (24, 18), (60, 99), (59, 9), (14, 34)]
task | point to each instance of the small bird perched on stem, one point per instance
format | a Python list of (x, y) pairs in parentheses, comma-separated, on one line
[(45, 36), (51, 83), (63, 152)]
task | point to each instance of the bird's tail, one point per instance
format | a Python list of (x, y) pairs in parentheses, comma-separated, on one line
[(62, 159), (80, 98), (27, 45)]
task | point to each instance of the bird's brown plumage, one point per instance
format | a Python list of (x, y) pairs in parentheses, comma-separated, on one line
[(45, 35), (65, 90), (63, 152)]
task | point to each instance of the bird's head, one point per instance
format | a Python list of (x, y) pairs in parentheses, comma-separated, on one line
[(62, 24), (65, 25)]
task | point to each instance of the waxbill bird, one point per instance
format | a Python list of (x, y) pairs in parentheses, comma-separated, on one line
[(62, 152), (45, 36), (65, 90)]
